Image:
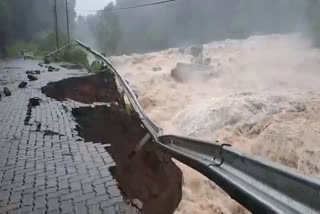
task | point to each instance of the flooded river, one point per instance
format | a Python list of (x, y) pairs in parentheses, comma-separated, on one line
[(263, 97)]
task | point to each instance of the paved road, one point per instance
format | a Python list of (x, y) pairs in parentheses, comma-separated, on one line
[(45, 167)]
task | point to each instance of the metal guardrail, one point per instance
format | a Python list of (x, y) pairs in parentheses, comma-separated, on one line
[(63, 47), (150, 126), (259, 185)]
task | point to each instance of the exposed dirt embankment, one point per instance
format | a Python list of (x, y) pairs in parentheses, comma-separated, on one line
[(95, 88), (150, 175)]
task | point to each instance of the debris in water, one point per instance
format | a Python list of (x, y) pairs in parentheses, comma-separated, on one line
[(157, 68), (196, 50), (184, 72), (207, 61)]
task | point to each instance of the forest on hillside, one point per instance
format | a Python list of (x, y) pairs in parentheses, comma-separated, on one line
[(186, 22), (31, 21), (174, 24)]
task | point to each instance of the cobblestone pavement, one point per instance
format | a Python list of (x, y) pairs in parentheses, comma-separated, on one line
[(45, 167)]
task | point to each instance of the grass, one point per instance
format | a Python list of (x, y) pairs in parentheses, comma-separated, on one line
[(43, 46), (15, 49), (37, 47)]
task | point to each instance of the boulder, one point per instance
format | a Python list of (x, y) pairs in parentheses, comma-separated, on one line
[(181, 50), (207, 61), (6, 91), (196, 50), (22, 84), (184, 72), (32, 77), (157, 68)]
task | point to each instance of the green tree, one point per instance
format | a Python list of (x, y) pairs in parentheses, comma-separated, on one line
[(33, 20), (314, 20), (4, 22), (107, 30)]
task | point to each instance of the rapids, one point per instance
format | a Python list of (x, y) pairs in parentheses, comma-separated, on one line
[(264, 101)]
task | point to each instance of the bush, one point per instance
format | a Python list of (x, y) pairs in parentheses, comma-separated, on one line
[(96, 66), (37, 47), (4, 19), (76, 55), (49, 42)]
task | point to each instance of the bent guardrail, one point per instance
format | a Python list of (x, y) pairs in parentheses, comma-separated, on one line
[(259, 185), (152, 128)]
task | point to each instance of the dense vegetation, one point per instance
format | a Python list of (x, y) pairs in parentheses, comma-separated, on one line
[(194, 22), (102, 31), (190, 22), (29, 24), (314, 19)]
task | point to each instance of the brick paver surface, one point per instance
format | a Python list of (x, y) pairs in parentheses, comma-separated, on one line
[(45, 167)]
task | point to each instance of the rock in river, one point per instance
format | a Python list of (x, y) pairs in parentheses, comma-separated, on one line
[(184, 72)]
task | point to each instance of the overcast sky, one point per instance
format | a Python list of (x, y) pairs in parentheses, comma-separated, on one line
[(82, 5)]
